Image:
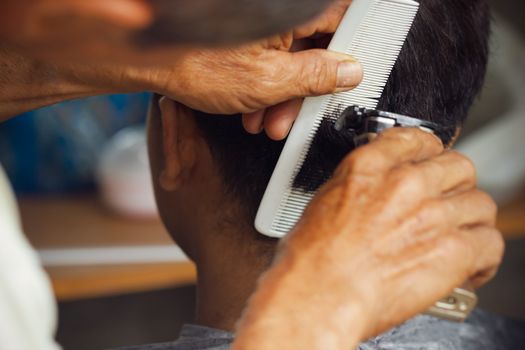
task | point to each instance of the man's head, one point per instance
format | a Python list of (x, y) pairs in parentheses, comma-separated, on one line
[(210, 175)]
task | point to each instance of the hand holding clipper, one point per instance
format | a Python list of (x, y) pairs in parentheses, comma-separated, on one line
[(399, 226), (365, 125)]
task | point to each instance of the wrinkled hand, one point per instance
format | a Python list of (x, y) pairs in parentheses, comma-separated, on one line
[(245, 79), (399, 226), (91, 30), (253, 77), (278, 119), (250, 78)]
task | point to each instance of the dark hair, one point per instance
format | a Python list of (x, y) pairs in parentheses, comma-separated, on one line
[(225, 21), (438, 74)]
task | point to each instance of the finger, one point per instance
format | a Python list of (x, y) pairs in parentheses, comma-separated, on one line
[(484, 249), (390, 149), (128, 13), (472, 208), (301, 45), (442, 216), (279, 119), (483, 277), (313, 73), (434, 269), (325, 23), (254, 122), (469, 209), (448, 173)]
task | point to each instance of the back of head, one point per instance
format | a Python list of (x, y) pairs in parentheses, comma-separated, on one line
[(438, 74)]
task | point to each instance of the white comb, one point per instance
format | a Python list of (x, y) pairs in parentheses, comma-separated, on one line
[(372, 31)]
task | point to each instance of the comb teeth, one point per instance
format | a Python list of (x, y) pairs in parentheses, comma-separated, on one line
[(372, 31)]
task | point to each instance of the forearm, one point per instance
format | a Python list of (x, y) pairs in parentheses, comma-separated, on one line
[(27, 84)]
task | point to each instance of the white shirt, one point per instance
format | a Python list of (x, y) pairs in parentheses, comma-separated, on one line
[(28, 313)]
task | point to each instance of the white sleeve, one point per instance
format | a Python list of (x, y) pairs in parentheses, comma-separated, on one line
[(28, 314)]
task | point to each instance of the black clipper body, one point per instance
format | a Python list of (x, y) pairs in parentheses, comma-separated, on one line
[(365, 124)]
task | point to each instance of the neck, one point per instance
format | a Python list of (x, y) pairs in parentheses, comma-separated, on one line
[(228, 270)]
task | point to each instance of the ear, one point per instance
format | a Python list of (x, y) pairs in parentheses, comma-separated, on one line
[(179, 143)]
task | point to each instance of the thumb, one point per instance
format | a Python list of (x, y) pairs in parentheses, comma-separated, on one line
[(320, 72)]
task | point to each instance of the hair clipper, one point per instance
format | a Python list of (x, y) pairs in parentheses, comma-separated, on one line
[(364, 125)]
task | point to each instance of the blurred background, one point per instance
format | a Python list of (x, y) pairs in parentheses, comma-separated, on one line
[(80, 173)]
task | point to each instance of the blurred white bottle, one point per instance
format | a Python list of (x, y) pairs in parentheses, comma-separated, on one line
[(123, 175)]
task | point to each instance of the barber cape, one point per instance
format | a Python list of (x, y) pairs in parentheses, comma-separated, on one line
[(28, 314)]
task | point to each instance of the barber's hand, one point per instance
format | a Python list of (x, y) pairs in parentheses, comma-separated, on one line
[(278, 119), (94, 30), (250, 78), (244, 79), (220, 81), (397, 228)]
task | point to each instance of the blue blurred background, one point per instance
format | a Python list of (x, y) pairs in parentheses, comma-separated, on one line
[(55, 149)]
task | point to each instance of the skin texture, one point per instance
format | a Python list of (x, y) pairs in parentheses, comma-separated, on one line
[(27, 84), (399, 226), (208, 230), (277, 120), (204, 80), (46, 64), (136, 24), (94, 28)]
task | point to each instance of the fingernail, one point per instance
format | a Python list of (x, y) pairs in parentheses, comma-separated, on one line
[(349, 75)]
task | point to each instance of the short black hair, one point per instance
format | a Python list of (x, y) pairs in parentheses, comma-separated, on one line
[(439, 73)]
